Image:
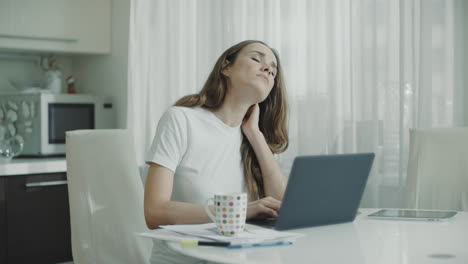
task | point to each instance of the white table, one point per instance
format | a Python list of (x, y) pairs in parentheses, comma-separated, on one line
[(22, 166), (363, 241)]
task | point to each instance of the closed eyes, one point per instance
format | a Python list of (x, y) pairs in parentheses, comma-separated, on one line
[(257, 60)]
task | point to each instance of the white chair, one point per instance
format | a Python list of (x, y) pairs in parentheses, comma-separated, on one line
[(106, 198), (437, 175)]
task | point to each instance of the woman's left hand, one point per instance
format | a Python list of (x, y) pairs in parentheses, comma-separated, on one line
[(250, 122)]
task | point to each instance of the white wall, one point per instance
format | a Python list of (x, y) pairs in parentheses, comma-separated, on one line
[(107, 74), (24, 68)]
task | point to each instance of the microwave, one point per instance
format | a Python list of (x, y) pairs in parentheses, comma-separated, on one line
[(40, 120)]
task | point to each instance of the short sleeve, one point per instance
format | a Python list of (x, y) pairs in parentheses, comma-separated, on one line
[(170, 141)]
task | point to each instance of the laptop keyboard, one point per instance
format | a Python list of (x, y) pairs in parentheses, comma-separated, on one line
[(267, 223)]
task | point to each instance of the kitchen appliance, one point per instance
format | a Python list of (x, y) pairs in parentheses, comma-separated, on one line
[(40, 120)]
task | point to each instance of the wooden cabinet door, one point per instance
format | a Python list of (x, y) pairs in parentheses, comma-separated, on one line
[(38, 219), (43, 20), (3, 227), (7, 18), (56, 25), (92, 25)]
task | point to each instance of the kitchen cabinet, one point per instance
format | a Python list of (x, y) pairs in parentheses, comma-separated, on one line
[(59, 26), (3, 237), (37, 218)]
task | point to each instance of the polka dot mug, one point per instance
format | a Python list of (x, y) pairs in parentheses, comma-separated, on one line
[(230, 212)]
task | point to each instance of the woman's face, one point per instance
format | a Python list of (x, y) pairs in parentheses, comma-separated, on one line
[(252, 75)]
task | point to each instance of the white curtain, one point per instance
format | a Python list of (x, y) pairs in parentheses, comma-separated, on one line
[(359, 73)]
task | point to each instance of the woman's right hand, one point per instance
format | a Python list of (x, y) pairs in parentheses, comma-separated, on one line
[(267, 206)]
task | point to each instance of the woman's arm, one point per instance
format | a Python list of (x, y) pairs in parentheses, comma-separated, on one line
[(273, 178), (160, 210)]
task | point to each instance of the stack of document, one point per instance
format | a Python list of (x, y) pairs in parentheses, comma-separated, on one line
[(252, 236)]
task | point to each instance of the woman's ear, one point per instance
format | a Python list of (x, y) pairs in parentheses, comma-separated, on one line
[(225, 69)]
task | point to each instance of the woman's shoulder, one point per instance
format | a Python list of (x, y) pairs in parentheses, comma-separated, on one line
[(187, 115), (179, 113)]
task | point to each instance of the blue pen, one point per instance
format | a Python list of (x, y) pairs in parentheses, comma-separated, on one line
[(262, 244)]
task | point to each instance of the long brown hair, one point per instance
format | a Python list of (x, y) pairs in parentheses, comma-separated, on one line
[(273, 114)]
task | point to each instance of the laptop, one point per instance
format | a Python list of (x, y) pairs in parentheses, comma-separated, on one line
[(322, 190)]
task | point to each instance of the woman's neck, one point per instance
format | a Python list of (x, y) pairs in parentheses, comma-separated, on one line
[(232, 111)]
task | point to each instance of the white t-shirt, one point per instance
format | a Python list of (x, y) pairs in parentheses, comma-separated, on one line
[(201, 150)]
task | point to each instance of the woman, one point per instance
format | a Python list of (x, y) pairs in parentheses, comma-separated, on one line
[(221, 140)]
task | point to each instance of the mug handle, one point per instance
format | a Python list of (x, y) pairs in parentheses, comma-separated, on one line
[(207, 210)]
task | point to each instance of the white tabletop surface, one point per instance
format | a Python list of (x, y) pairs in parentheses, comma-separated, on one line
[(21, 166), (365, 240)]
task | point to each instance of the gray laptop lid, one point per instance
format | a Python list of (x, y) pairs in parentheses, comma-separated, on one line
[(324, 190)]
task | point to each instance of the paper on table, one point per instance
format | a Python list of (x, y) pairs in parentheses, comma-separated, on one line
[(168, 235), (251, 233)]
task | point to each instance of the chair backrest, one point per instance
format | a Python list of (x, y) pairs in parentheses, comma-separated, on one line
[(106, 198), (437, 175)]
